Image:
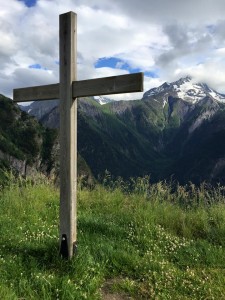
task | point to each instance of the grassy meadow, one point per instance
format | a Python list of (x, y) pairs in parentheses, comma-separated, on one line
[(156, 242)]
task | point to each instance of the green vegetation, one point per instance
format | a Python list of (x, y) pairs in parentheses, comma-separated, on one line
[(23, 139), (160, 135), (118, 132), (20, 134), (156, 242)]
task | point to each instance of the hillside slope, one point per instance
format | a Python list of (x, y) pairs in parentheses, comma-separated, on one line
[(163, 134), (25, 145), (141, 245)]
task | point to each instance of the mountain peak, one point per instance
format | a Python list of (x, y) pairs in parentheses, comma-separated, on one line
[(183, 80), (187, 89), (102, 100)]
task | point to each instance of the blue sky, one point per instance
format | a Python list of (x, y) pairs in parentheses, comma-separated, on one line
[(164, 39), (116, 63), (29, 3), (37, 66)]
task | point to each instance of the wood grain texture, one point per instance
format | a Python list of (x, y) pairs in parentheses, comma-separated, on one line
[(83, 88), (43, 92), (68, 131), (108, 85)]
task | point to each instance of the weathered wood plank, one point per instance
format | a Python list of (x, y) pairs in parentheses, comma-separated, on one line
[(84, 88), (43, 92), (68, 135), (108, 85)]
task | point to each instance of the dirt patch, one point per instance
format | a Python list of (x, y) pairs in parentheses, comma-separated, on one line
[(109, 296), (108, 292)]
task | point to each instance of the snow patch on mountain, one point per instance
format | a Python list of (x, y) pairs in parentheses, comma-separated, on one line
[(217, 96), (186, 89), (157, 90), (165, 100), (102, 100), (190, 92)]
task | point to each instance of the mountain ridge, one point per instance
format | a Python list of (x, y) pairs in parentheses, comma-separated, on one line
[(187, 89), (161, 135)]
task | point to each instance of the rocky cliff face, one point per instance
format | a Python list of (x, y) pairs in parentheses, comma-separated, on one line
[(25, 145)]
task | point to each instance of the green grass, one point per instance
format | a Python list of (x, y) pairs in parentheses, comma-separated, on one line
[(153, 243)]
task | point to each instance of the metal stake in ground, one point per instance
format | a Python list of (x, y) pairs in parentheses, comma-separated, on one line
[(68, 90)]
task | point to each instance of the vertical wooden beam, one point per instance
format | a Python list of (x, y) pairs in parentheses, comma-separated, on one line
[(68, 134)]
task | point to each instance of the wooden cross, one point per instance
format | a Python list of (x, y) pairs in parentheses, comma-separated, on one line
[(67, 91)]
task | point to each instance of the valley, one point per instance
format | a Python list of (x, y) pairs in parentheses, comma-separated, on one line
[(161, 135)]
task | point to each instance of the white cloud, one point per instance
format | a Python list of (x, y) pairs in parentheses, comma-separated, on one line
[(211, 73), (164, 11), (173, 37)]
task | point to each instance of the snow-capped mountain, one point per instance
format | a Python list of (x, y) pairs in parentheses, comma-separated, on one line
[(186, 89), (102, 100), (176, 131)]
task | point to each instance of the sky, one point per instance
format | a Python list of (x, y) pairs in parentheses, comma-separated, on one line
[(165, 39)]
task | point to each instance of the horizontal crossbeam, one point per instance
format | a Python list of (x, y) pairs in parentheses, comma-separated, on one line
[(108, 85), (43, 92), (83, 88)]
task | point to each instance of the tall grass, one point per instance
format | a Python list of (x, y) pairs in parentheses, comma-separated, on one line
[(135, 240)]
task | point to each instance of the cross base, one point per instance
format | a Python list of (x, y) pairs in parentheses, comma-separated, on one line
[(64, 249)]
